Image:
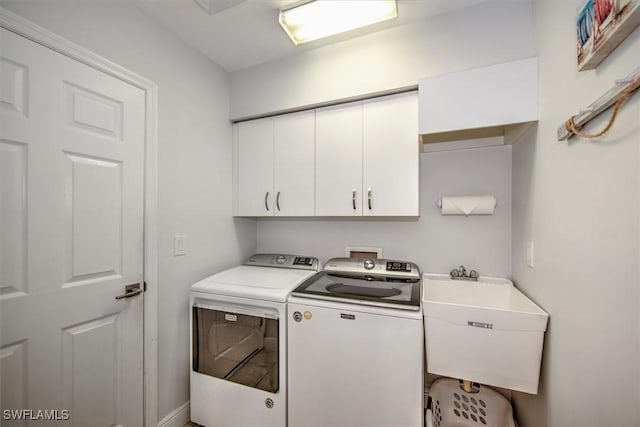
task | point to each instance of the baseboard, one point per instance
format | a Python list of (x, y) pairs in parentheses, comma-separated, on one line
[(176, 418)]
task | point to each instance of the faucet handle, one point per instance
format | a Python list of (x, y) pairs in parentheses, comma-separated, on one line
[(453, 273), (462, 272), (474, 274)]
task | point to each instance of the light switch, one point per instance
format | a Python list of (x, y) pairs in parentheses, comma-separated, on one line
[(179, 245), (530, 254)]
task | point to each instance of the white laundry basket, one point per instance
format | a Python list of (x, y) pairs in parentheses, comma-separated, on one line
[(453, 407)]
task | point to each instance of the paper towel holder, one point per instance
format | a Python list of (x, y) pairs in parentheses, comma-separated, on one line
[(439, 203)]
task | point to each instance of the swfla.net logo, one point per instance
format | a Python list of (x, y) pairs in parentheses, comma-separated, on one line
[(36, 414)]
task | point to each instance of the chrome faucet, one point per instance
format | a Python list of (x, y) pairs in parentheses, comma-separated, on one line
[(461, 274)]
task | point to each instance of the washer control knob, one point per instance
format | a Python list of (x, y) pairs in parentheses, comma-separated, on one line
[(369, 264), (297, 316), (268, 402), (280, 259)]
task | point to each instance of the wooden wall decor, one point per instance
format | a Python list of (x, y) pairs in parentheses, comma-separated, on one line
[(601, 26)]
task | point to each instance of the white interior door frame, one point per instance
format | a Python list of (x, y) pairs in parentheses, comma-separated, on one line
[(46, 38)]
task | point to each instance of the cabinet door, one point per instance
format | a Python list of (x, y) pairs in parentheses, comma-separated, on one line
[(339, 160), (496, 95), (255, 168), (391, 156), (294, 164)]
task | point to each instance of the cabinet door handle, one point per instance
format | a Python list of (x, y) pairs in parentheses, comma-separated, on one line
[(266, 201), (353, 199), (278, 201), (369, 198)]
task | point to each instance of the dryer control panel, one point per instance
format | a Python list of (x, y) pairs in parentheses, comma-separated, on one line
[(297, 262), (303, 260)]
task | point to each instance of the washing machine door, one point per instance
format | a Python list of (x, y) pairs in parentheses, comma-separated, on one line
[(237, 344)]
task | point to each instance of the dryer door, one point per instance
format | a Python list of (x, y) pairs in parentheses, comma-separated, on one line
[(237, 344)]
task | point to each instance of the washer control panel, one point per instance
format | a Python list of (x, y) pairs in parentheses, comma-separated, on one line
[(386, 269), (398, 266)]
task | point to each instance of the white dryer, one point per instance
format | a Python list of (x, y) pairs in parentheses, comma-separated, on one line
[(239, 341)]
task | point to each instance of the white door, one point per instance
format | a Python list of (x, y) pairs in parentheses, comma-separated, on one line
[(339, 160), (391, 156), (255, 168), (71, 221), (294, 164)]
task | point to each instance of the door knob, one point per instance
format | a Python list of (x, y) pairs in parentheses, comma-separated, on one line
[(131, 291)]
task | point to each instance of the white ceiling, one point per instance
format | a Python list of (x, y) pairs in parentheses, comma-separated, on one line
[(243, 33)]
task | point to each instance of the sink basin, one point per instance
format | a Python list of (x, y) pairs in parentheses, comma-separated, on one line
[(486, 331)]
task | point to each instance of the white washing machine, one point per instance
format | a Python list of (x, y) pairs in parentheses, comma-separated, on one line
[(356, 346), (239, 341)]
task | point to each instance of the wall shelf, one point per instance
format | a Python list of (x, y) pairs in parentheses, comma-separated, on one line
[(599, 105)]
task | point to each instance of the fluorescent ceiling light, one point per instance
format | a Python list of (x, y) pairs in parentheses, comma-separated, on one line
[(321, 18)]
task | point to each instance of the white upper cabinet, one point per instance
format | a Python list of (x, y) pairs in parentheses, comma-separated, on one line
[(391, 156), (355, 159), (255, 168), (367, 158), (339, 160), (294, 165), (275, 166), (496, 95)]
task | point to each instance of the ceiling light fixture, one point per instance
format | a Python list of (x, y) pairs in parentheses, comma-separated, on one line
[(322, 18), (214, 6)]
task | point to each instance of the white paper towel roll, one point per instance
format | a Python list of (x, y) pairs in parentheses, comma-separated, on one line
[(471, 205)]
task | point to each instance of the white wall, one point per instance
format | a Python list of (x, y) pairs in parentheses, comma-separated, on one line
[(489, 33), (194, 149), (578, 203), (436, 243)]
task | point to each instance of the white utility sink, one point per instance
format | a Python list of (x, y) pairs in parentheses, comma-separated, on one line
[(486, 331)]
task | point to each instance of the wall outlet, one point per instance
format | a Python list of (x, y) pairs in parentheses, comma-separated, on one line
[(530, 254), (179, 245)]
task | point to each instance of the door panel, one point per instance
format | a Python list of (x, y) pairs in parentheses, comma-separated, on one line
[(339, 160), (391, 156), (13, 170), (95, 235), (255, 162), (93, 112), (89, 358), (294, 164), (71, 217), (13, 87), (13, 368)]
